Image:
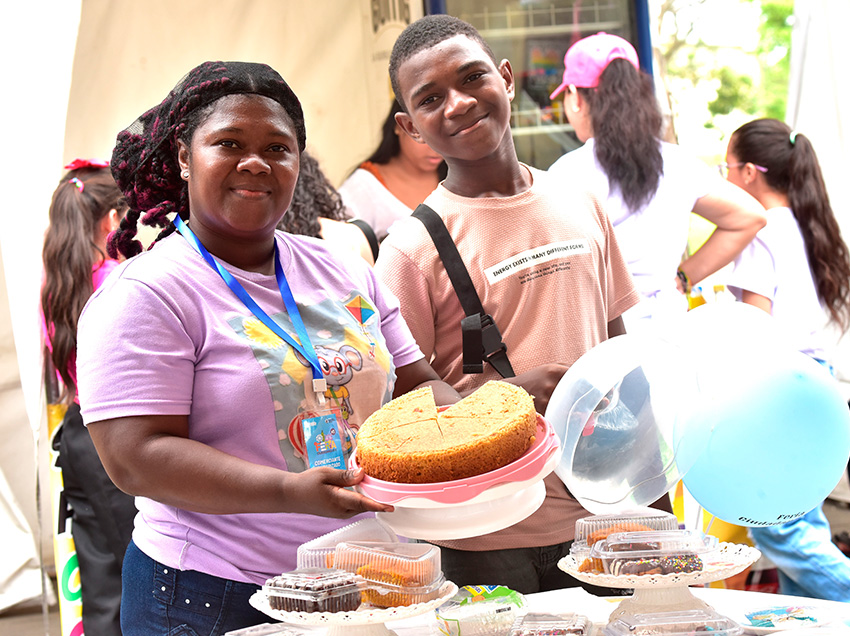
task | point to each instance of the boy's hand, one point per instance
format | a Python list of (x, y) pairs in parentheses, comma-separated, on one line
[(540, 382)]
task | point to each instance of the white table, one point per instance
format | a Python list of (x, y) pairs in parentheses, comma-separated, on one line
[(731, 603)]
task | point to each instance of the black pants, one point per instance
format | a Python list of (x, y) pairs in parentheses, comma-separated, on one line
[(102, 525), (524, 570)]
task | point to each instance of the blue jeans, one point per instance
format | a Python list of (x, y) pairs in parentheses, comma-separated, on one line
[(808, 562), (162, 601)]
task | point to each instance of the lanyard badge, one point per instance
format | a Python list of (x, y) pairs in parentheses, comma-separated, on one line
[(326, 438)]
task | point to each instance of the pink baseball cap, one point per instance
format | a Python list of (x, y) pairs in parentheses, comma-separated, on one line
[(586, 59)]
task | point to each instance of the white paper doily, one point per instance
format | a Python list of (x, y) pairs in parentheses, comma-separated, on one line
[(727, 560), (348, 622)]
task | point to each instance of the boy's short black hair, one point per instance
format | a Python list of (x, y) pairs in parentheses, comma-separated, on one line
[(425, 33)]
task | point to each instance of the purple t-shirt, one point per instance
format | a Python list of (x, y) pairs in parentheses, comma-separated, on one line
[(166, 336)]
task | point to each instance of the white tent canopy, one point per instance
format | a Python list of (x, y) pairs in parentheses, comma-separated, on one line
[(77, 72), (819, 107)]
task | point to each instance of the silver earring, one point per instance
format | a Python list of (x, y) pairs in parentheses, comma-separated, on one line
[(185, 174), (575, 109)]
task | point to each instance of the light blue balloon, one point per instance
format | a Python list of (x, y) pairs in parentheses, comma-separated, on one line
[(778, 433)]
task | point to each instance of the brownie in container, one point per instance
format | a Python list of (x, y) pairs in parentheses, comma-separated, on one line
[(652, 552), (314, 590)]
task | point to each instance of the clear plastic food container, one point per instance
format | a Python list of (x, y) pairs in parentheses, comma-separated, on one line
[(652, 552), (397, 574), (592, 529), (678, 623), (319, 553), (480, 610), (315, 590), (536, 624)]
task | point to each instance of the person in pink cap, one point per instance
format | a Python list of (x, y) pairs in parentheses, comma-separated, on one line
[(648, 186)]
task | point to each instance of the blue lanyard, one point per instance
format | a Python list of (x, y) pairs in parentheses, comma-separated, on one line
[(305, 347)]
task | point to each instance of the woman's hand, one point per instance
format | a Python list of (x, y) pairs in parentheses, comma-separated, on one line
[(322, 491), (738, 217)]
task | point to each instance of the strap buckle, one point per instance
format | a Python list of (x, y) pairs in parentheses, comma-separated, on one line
[(491, 338), (482, 340)]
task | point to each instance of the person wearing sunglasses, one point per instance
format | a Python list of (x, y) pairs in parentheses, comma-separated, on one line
[(798, 270)]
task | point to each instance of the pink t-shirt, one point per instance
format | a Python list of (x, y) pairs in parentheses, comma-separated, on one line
[(166, 336), (547, 268)]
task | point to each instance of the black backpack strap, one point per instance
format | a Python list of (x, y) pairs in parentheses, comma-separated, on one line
[(481, 337), (371, 237)]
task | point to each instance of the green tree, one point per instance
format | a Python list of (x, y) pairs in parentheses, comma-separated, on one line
[(682, 56), (774, 54)]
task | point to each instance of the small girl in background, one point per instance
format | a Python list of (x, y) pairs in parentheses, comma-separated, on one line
[(798, 270), (87, 205)]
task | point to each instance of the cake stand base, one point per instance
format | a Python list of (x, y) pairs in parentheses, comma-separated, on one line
[(659, 599)]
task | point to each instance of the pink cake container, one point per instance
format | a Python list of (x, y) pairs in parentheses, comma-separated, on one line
[(473, 506)]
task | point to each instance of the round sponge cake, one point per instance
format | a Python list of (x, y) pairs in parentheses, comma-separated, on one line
[(409, 441)]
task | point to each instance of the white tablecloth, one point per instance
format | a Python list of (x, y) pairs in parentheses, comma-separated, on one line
[(731, 603)]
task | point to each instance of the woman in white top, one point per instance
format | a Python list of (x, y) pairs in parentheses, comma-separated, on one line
[(798, 270), (393, 180), (648, 187)]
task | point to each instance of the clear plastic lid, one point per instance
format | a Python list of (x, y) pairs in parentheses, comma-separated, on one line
[(537, 624), (592, 529), (315, 590), (393, 595), (398, 564), (677, 623), (319, 553), (652, 552)]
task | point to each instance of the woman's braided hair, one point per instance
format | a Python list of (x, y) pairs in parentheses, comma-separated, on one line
[(144, 160)]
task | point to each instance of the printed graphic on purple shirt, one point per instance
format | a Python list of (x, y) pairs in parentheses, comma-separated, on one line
[(354, 359)]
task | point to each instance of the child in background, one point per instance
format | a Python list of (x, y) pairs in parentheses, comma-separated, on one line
[(798, 270), (87, 205)]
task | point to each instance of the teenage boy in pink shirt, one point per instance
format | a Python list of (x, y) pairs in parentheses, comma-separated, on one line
[(542, 258)]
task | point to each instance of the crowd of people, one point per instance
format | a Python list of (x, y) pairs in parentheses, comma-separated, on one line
[(198, 368)]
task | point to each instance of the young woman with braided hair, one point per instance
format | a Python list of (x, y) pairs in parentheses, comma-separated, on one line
[(648, 187), (202, 361), (317, 210), (798, 270), (86, 206)]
